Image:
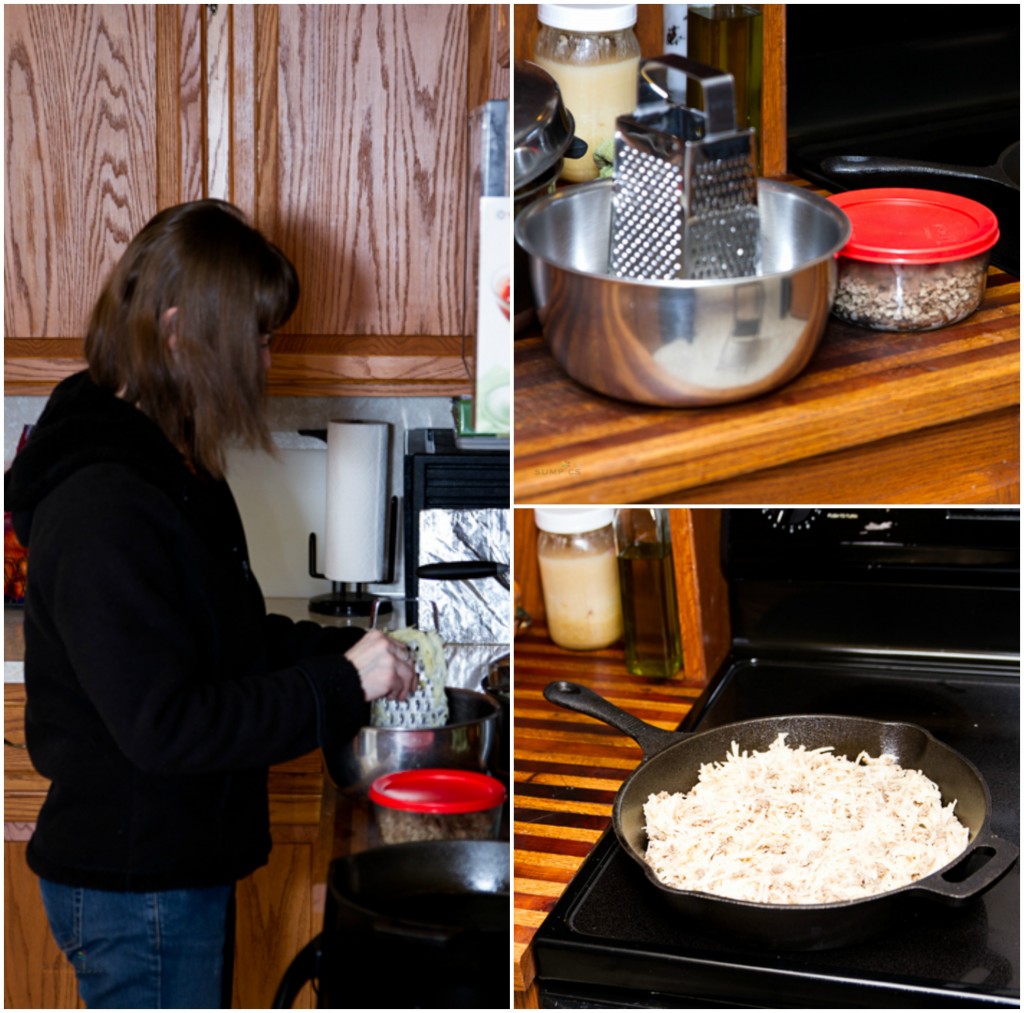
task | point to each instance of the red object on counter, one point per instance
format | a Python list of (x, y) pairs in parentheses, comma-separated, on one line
[(437, 790), (900, 225)]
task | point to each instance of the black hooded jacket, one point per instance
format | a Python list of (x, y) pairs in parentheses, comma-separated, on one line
[(158, 689)]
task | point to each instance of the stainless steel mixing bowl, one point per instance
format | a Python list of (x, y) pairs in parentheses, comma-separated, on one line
[(682, 343), (465, 743)]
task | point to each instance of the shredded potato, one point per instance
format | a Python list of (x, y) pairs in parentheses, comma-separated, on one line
[(801, 826), (427, 707)]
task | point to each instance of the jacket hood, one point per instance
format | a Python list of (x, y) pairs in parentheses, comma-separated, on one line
[(83, 424)]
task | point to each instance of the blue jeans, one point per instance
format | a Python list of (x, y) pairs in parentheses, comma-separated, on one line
[(142, 950)]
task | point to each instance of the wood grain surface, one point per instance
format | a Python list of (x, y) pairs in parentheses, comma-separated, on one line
[(371, 175), (335, 127), (876, 417), (77, 129), (567, 769)]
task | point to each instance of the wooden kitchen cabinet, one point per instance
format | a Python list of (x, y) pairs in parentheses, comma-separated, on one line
[(279, 907), (336, 127), (36, 974)]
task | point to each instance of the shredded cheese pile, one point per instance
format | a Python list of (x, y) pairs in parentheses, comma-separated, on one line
[(801, 826), (428, 706)]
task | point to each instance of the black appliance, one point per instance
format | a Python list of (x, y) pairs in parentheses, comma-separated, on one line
[(423, 924), (937, 88), (894, 614), (439, 475)]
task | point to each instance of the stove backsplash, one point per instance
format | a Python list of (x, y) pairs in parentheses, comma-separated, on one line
[(474, 616)]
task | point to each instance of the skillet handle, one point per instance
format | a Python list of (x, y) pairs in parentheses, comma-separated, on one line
[(854, 168), (575, 697), (1000, 857)]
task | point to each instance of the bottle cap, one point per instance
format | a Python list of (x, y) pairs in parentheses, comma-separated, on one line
[(572, 520), (588, 17)]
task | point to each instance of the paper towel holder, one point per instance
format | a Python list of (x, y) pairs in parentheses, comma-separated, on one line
[(353, 599)]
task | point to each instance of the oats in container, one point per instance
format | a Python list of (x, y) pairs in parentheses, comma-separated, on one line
[(433, 804), (916, 260)]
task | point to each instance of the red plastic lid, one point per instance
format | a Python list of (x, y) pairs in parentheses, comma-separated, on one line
[(433, 790), (896, 225)]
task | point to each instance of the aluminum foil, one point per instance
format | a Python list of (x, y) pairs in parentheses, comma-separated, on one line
[(474, 616), (468, 663)]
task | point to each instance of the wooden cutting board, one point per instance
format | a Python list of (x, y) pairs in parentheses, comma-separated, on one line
[(877, 417)]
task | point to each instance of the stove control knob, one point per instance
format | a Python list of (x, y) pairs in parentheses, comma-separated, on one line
[(791, 520)]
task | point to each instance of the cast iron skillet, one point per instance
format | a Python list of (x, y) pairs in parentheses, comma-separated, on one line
[(672, 761), (996, 186), (424, 924)]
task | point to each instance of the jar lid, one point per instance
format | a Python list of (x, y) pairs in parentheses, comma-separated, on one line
[(898, 225), (588, 17), (436, 790), (573, 520)]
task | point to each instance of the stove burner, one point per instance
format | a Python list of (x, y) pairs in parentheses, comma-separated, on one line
[(612, 941)]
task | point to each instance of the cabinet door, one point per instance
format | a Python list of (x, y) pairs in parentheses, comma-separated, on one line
[(340, 128), (36, 973), (275, 919), (359, 120), (102, 115)]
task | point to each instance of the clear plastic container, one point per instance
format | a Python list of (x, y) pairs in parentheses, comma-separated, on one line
[(437, 804), (917, 259), (579, 576), (593, 55)]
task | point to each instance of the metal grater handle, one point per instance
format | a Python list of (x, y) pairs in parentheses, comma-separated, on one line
[(717, 87)]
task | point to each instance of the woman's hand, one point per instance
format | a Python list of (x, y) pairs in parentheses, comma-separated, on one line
[(384, 665)]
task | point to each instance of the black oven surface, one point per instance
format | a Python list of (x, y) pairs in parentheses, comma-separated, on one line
[(612, 939), (888, 82), (613, 942)]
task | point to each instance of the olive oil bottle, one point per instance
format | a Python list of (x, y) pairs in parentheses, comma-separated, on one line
[(647, 581), (729, 37)]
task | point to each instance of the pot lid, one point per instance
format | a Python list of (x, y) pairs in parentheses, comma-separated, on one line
[(438, 790), (542, 127), (902, 225)]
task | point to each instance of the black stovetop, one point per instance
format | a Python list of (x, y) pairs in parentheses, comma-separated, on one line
[(611, 942)]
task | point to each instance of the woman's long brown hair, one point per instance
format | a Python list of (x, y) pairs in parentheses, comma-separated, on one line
[(178, 327)]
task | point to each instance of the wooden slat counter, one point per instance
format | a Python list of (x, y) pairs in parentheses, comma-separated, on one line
[(877, 417), (567, 768)]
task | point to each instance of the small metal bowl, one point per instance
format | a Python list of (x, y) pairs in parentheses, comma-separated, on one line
[(682, 343)]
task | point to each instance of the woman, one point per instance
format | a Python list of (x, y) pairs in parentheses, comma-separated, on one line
[(158, 690)]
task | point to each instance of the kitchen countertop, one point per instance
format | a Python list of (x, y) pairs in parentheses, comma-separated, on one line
[(927, 417), (567, 769)]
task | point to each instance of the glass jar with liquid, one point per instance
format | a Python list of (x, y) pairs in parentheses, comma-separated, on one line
[(647, 578), (731, 38), (579, 576), (593, 55)]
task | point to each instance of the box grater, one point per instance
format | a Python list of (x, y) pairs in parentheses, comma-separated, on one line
[(427, 707), (685, 185)]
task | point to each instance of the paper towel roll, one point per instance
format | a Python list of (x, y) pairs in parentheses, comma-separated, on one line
[(357, 489)]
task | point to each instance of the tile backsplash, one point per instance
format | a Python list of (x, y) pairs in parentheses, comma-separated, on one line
[(282, 498)]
